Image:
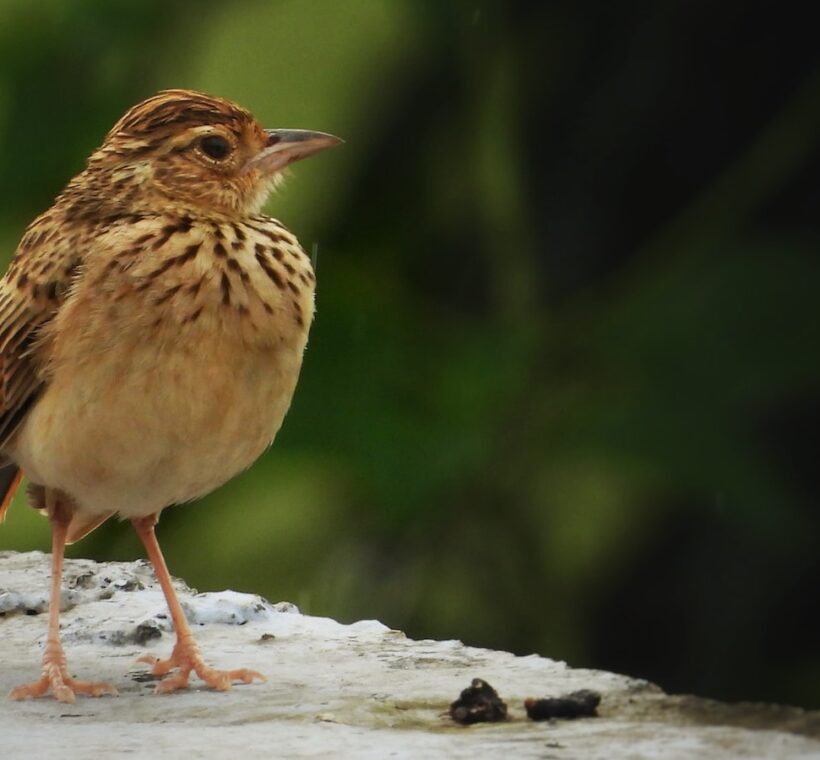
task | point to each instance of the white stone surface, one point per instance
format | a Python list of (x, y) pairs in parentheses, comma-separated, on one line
[(334, 691)]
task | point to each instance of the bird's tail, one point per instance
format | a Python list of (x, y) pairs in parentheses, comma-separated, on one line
[(10, 477)]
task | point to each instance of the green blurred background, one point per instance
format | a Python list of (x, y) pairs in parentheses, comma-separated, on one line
[(561, 395)]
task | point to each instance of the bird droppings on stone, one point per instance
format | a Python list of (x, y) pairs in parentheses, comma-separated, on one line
[(478, 703), (577, 704)]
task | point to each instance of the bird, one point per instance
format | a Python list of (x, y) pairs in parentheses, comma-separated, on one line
[(152, 327)]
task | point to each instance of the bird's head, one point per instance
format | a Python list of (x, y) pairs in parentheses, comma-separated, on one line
[(187, 151)]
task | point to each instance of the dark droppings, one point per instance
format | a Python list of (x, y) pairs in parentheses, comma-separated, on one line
[(577, 704), (479, 703)]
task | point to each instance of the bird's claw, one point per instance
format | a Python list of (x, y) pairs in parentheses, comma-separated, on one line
[(186, 658), (63, 687)]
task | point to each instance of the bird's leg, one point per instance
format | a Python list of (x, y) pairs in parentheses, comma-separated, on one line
[(185, 656), (55, 677)]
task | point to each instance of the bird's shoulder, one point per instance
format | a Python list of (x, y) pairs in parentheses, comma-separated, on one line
[(43, 266)]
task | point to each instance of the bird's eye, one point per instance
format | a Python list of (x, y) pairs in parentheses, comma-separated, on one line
[(215, 147)]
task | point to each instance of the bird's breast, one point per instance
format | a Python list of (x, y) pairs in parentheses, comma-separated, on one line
[(166, 380)]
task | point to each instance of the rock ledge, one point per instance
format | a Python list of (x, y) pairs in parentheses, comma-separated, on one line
[(334, 690)]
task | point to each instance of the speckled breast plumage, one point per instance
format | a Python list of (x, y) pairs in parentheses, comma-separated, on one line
[(171, 363)]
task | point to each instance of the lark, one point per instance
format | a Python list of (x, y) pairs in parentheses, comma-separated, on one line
[(152, 326)]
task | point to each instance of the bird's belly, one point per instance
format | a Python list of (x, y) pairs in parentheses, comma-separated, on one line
[(160, 424)]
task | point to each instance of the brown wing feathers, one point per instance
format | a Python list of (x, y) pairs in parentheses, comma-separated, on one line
[(19, 381), (26, 304)]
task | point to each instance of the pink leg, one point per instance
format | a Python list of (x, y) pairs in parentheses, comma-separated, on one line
[(185, 656), (55, 677)]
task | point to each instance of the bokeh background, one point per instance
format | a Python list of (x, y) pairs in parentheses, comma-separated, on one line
[(562, 392)]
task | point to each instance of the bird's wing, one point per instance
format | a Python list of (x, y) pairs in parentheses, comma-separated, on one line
[(31, 292)]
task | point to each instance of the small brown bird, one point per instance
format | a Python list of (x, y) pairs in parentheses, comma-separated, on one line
[(152, 325)]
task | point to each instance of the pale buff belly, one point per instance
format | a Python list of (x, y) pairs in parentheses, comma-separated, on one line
[(157, 426)]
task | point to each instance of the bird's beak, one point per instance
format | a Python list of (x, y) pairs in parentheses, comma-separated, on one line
[(288, 145)]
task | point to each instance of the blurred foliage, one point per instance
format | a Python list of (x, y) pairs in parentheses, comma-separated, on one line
[(561, 393)]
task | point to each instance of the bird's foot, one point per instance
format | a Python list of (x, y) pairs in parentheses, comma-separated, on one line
[(63, 687), (186, 658)]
